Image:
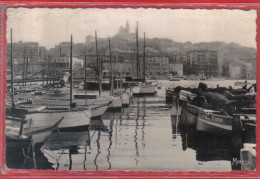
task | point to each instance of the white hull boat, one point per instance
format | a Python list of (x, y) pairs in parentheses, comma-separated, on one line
[(97, 111), (37, 135), (73, 119), (116, 102), (144, 90), (212, 122)]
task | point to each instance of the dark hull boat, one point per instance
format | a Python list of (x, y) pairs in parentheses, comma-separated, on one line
[(23, 145), (213, 122)]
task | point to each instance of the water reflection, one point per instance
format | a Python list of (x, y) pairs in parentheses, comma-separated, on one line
[(207, 147), (24, 155), (143, 136), (63, 149)]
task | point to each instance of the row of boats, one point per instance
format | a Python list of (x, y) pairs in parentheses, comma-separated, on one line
[(33, 120), (32, 115), (221, 112), (48, 111)]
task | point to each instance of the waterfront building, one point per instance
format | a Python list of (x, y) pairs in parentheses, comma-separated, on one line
[(201, 63), (58, 66), (243, 68), (234, 71), (176, 65), (156, 66), (21, 49)]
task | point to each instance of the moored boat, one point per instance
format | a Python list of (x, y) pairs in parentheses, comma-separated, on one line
[(34, 134), (189, 114), (116, 103), (185, 95), (214, 122), (97, 111), (77, 119), (144, 89)]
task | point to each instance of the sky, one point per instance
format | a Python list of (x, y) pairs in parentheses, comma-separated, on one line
[(49, 27)]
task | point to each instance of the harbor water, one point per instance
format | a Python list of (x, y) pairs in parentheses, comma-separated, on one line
[(141, 137)]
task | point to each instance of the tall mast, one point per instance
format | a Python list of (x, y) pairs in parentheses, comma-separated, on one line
[(120, 72), (98, 67), (12, 72), (71, 75), (48, 70), (117, 70), (111, 69), (43, 74), (137, 53), (85, 79), (144, 58), (24, 65), (26, 68)]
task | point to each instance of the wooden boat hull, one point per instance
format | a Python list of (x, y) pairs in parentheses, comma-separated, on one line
[(186, 95), (72, 118), (213, 123), (189, 114)]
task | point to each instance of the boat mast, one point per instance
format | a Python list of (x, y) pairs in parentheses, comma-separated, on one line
[(26, 69), (43, 74), (12, 72), (137, 53), (24, 65), (120, 73), (111, 69), (85, 79), (144, 59), (117, 70), (98, 67), (71, 75)]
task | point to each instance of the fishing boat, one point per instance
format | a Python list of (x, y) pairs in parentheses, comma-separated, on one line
[(174, 79), (75, 118), (20, 139), (214, 122), (92, 102), (189, 114), (193, 77), (98, 110), (185, 95), (119, 91), (29, 133), (142, 88), (116, 103)]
